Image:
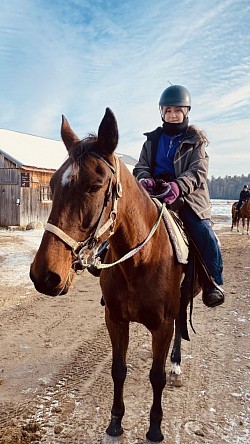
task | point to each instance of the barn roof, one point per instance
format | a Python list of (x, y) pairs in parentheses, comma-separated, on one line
[(39, 152)]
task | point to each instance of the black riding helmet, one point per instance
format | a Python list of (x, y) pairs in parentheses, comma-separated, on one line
[(175, 95)]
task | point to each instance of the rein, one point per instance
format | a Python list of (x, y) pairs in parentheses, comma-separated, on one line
[(131, 253)]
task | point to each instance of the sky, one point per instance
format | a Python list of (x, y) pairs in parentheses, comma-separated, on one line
[(77, 57)]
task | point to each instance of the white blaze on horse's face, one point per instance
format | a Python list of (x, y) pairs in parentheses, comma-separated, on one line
[(67, 175)]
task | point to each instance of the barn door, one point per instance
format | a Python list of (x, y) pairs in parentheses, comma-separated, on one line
[(9, 195)]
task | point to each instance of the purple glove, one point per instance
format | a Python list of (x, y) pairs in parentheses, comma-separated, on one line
[(172, 192), (148, 184)]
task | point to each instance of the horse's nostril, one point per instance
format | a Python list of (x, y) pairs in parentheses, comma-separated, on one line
[(49, 280), (52, 280)]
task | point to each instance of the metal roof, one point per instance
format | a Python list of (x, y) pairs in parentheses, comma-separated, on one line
[(34, 151)]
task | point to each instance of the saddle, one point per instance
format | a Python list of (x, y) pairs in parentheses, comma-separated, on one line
[(177, 234)]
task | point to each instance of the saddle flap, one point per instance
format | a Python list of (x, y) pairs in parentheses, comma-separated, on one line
[(176, 233)]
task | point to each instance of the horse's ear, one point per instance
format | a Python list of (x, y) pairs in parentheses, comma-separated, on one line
[(68, 135), (108, 133)]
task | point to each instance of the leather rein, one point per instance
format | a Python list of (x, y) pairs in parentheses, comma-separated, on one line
[(83, 250)]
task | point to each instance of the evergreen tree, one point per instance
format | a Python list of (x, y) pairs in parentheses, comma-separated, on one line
[(227, 187)]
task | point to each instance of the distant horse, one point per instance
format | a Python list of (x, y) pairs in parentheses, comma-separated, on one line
[(245, 214), (95, 198), (242, 214)]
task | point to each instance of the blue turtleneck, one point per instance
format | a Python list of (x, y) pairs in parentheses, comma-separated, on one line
[(165, 154)]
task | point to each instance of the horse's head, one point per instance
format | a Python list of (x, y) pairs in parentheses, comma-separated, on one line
[(84, 191)]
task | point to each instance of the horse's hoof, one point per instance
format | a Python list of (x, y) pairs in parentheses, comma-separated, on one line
[(114, 429), (154, 437), (175, 380), (114, 433)]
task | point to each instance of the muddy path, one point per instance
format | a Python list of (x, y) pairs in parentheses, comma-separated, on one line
[(55, 360)]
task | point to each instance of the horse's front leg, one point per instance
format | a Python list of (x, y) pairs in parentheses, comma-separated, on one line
[(119, 335), (175, 372), (161, 339)]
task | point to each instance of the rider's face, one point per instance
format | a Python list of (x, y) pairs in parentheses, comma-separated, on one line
[(174, 114)]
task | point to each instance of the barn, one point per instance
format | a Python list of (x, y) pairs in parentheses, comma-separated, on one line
[(27, 163)]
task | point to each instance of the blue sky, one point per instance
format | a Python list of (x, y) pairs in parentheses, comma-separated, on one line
[(77, 57)]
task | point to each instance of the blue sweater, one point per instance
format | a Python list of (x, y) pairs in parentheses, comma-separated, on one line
[(167, 147)]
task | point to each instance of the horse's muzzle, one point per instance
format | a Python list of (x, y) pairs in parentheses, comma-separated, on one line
[(50, 283)]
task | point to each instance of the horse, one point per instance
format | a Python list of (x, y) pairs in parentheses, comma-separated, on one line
[(95, 198), (245, 214)]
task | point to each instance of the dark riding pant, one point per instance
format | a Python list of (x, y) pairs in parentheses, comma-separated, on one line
[(239, 204), (203, 235)]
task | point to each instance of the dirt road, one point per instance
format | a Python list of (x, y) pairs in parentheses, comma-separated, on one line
[(55, 359)]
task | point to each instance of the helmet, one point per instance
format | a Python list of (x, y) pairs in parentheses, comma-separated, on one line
[(175, 95)]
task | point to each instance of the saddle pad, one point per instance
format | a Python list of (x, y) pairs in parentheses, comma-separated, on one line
[(176, 233)]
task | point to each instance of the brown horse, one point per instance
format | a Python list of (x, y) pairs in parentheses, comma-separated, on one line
[(95, 198), (242, 214)]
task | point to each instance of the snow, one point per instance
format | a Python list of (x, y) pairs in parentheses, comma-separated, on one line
[(17, 250)]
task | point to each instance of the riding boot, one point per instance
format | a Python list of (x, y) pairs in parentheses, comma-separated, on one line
[(101, 253), (213, 296), (212, 293)]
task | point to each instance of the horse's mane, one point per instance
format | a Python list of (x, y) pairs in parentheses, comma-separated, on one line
[(78, 153), (81, 148)]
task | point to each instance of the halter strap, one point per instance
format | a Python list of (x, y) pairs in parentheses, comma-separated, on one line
[(63, 236), (95, 154)]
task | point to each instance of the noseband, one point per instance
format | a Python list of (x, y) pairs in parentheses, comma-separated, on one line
[(79, 248)]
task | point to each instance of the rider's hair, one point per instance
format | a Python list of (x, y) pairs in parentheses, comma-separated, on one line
[(202, 134)]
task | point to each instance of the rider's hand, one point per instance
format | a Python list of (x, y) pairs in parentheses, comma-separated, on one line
[(148, 184), (172, 191)]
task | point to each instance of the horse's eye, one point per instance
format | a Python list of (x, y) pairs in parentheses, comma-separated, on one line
[(94, 189)]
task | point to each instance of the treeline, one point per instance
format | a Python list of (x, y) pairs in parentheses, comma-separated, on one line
[(227, 187)]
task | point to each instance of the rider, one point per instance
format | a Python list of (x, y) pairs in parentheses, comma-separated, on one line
[(244, 196), (174, 155)]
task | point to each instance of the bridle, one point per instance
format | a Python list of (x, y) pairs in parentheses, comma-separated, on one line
[(81, 249), (86, 249)]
